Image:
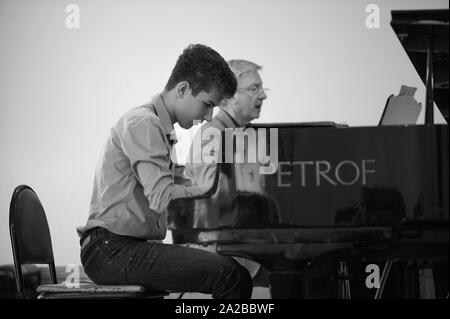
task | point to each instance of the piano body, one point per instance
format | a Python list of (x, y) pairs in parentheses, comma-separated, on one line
[(342, 196)]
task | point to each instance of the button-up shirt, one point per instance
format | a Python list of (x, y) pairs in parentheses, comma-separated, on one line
[(134, 178)]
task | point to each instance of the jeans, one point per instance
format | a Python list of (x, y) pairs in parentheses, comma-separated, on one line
[(112, 259), (259, 274)]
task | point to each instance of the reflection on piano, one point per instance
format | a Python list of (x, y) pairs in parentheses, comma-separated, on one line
[(346, 197)]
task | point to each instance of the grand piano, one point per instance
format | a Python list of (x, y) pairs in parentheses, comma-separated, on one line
[(344, 197)]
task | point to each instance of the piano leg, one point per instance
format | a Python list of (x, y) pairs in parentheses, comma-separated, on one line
[(384, 277), (426, 281), (419, 280), (296, 284), (343, 281), (410, 277)]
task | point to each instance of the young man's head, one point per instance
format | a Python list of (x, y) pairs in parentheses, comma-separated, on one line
[(250, 94), (199, 81)]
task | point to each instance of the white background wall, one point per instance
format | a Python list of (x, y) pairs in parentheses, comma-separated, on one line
[(62, 89)]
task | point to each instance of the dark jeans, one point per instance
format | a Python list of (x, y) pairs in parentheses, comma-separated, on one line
[(112, 259)]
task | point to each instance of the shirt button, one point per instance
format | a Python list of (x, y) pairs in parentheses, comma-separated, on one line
[(106, 241)]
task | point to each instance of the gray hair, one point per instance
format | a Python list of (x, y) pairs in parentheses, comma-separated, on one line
[(240, 68)]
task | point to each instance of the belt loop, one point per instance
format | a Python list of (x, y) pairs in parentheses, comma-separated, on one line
[(88, 233)]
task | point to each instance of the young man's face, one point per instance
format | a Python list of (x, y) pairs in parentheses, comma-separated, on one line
[(197, 108), (249, 96)]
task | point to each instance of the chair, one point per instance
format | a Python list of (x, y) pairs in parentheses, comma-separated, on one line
[(31, 244)]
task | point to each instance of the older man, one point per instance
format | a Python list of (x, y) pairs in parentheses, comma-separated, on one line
[(235, 112)]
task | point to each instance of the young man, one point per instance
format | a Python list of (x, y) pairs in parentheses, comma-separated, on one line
[(134, 183), (234, 112)]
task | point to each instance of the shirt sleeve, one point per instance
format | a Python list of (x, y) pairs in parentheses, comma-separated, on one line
[(143, 142)]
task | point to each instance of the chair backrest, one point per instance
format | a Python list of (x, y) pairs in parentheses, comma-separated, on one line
[(30, 234)]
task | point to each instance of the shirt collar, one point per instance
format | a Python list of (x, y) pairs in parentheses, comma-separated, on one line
[(163, 115), (227, 119)]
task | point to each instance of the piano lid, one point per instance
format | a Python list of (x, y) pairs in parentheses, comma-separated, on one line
[(415, 29)]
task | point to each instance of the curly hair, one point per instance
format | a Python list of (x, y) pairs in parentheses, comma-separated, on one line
[(204, 69)]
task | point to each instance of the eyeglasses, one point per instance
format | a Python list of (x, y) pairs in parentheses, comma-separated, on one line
[(254, 89)]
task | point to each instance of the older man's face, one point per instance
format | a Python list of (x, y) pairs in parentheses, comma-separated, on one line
[(249, 96)]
